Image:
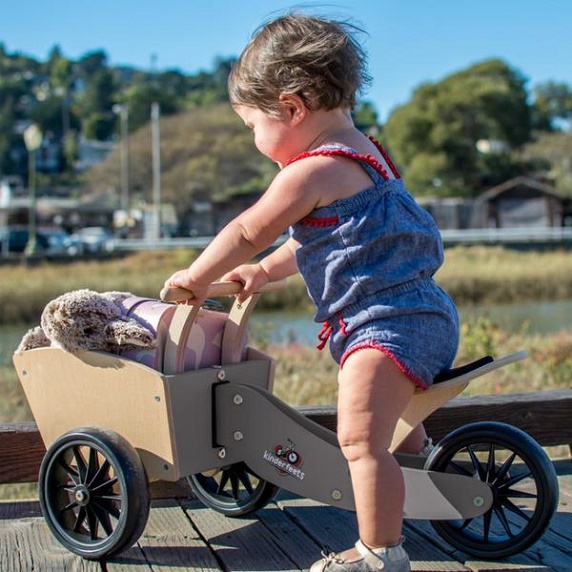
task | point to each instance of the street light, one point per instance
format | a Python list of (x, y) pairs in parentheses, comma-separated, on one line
[(33, 141)]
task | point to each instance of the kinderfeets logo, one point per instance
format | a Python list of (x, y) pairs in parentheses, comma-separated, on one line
[(286, 460)]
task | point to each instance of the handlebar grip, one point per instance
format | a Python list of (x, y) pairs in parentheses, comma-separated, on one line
[(215, 290)]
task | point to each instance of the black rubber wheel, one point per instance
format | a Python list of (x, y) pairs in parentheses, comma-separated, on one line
[(522, 479), (93, 492), (233, 490)]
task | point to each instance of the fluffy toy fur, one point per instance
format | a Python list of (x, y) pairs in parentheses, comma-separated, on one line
[(87, 320)]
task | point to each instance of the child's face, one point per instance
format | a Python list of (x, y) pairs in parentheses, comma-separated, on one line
[(272, 137)]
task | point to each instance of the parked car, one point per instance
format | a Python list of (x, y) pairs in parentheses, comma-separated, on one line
[(60, 243), (15, 240), (95, 239)]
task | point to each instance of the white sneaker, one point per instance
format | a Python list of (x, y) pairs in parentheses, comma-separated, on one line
[(389, 559)]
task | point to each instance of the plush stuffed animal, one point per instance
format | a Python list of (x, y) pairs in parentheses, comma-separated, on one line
[(88, 320)]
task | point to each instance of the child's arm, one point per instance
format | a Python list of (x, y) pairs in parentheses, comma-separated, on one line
[(277, 265)]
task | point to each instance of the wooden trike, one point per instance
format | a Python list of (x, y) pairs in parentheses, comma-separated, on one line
[(111, 424)]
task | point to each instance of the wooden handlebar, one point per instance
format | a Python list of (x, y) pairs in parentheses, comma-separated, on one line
[(215, 290)]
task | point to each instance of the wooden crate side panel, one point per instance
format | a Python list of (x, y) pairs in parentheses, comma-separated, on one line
[(66, 391)]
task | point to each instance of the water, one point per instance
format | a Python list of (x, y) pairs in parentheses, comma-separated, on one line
[(530, 317)]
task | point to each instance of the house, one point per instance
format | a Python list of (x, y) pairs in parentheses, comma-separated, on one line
[(521, 202)]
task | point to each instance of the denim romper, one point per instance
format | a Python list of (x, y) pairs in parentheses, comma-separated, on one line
[(368, 262)]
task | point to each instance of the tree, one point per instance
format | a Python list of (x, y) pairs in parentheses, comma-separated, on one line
[(91, 63), (96, 105), (435, 138), (550, 156), (552, 106), (139, 99), (365, 118)]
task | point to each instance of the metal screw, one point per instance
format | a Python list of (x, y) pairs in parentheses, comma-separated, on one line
[(221, 453), (157, 398), (221, 375), (238, 436), (237, 399), (479, 501), (336, 494)]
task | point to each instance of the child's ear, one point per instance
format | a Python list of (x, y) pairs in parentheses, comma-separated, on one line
[(293, 107)]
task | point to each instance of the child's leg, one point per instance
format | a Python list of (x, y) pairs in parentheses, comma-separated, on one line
[(415, 442), (373, 392)]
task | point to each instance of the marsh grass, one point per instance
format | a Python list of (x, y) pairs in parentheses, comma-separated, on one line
[(480, 274), (470, 274)]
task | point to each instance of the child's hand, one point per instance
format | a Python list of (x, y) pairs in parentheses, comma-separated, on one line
[(182, 279), (251, 276)]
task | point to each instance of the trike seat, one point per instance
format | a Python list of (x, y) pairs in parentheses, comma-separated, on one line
[(454, 372)]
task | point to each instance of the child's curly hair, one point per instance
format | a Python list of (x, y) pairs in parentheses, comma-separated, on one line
[(317, 59)]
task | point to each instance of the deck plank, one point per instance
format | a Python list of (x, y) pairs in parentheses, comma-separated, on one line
[(241, 544), (29, 545), (287, 535), (168, 543)]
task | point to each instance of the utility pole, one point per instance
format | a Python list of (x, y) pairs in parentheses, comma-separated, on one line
[(156, 135), (122, 110), (33, 141)]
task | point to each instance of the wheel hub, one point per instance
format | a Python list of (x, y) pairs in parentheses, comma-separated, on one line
[(81, 495)]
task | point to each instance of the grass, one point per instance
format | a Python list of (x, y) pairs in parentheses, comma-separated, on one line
[(496, 275), (470, 274)]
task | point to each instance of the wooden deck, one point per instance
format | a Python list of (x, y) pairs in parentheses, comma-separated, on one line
[(287, 535)]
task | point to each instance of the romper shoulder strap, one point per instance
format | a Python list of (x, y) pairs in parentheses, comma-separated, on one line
[(386, 168)]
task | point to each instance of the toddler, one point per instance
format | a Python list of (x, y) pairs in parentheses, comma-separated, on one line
[(365, 249)]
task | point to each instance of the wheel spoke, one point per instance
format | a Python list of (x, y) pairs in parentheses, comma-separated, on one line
[(244, 478), (509, 505), (505, 467), (69, 506), (110, 506), (81, 464), (459, 468), (102, 515), (92, 466), (80, 518), (106, 485), (476, 463), (234, 485), (515, 493), (92, 522), (223, 480), (487, 519), (503, 520), (101, 474), (491, 465), (516, 479), (70, 471)]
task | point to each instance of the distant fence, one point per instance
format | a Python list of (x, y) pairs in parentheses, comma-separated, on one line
[(539, 236)]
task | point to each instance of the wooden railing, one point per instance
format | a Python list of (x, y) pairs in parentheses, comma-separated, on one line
[(546, 416)]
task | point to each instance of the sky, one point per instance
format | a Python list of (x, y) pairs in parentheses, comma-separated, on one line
[(409, 42)]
